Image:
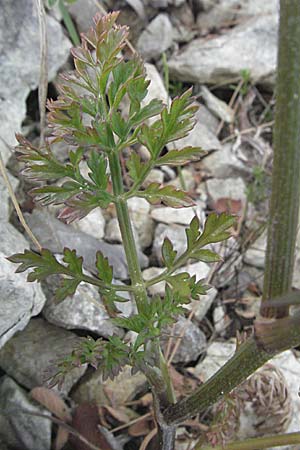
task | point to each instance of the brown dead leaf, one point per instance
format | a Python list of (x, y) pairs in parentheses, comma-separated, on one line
[(183, 384), (51, 401), (119, 414), (141, 428), (61, 439), (228, 205), (86, 421)]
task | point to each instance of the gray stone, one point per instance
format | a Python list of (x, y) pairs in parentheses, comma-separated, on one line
[(182, 216), (55, 235), (232, 265), (220, 320), (176, 233), (255, 255), (18, 429), (120, 390), (139, 210), (83, 12), (216, 15), (159, 3), (200, 269), (217, 106), (251, 45), (202, 305), (93, 224), (158, 288), (168, 172), (29, 357), (217, 354), (156, 38), (231, 188), (155, 176), (113, 232), (199, 136), (19, 300), (156, 88), (84, 310), (192, 344), (224, 164), (188, 177), (20, 65), (4, 196), (183, 21), (176, 3), (209, 120)]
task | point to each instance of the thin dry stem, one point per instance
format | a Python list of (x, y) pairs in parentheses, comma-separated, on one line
[(148, 438), (43, 78)]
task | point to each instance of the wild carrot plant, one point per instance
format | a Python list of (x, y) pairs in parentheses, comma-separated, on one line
[(88, 115)]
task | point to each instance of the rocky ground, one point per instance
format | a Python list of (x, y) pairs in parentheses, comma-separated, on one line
[(226, 50)]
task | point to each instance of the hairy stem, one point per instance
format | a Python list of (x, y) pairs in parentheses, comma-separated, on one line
[(134, 269), (284, 206), (255, 443), (158, 377), (271, 337)]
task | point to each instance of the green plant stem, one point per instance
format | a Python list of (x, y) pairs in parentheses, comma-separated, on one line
[(68, 23), (165, 372), (257, 443), (159, 377), (284, 206), (246, 360), (100, 284), (134, 269), (164, 275), (271, 337)]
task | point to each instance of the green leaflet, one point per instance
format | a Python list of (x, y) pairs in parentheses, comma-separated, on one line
[(97, 163), (105, 271), (168, 253), (180, 157), (169, 195), (45, 264)]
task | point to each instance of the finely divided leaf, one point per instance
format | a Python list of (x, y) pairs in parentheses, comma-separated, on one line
[(68, 287), (135, 166), (105, 271), (136, 323), (216, 228), (192, 233), (168, 253), (179, 119), (150, 110), (180, 157), (169, 195), (198, 288), (205, 255), (97, 163), (74, 262), (45, 264)]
